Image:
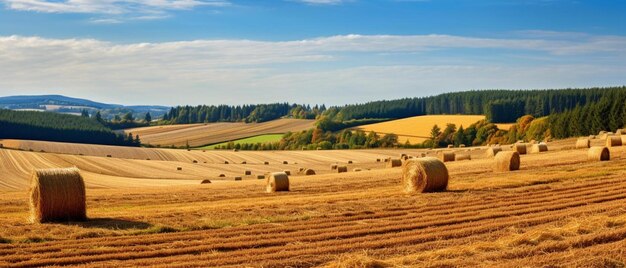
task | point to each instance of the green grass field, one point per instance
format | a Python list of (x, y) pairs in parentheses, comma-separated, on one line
[(255, 139)]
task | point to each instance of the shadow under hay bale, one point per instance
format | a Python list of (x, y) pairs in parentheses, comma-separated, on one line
[(492, 151), (112, 224), (612, 141), (357, 170), (260, 177), (583, 143), (447, 156), (238, 178), (394, 163), (598, 153), (277, 182), (57, 195), (424, 175), (342, 169), (539, 148), (205, 182), (506, 161)]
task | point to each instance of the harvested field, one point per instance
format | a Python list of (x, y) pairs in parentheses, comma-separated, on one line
[(211, 133), (417, 129), (558, 209)]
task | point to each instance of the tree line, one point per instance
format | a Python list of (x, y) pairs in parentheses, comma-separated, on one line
[(47, 126), (240, 113)]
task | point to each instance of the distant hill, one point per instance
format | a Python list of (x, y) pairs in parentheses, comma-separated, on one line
[(68, 105)]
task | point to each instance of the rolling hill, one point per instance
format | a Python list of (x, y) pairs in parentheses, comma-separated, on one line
[(205, 134), (417, 129)]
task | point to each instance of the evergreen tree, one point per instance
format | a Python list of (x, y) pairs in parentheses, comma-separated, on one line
[(148, 117)]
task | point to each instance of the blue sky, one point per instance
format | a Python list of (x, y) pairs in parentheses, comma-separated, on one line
[(306, 51)]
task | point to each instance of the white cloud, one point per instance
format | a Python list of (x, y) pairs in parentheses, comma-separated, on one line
[(349, 68), (321, 2)]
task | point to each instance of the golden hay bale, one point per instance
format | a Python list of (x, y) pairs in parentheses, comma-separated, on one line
[(226, 162), (538, 148), (349, 161), (507, 161), (450, 146), (244, 162), (277, 182), (446, 156), (423, 155), (238, 178), (598, 153), (333, 166), (248, 172), (377, 159), (461, 157), (301, 169), (57, 195), (404, 158), (620, 132), (285, 162), (222, 176), (205, 182), (179, 168), (394, 163), (520, 148), (108, 155), (623, 137), (613, 141), (309, 172), (583, 143), (287, 172), (462, 145), (493, 151), (592, 137), (266, 163), (194, 161), (342, 169), (402, 155), (424, 175), (260, 177), (235, 150), (357, 170), (387, 159)]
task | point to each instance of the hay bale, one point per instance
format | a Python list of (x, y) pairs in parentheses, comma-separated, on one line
[(226, 162), (598, 153), (222, 176), (333, 166), (57, 195), (108, 155), (493, 151), (377, 159), (612, 141), (266, 163), (260, 177), (592, 137), (623, 137), (404, 158), (461, 157), (301, 169), (539, 148), (618, 132), (244, 162), (462, 146), (357, 170), (349, 161), (446, 156), (238, 178), (342, 169), (248, 172), (205, 182), (387, 160), (285, 162), (425, 175), (394, 163), (507, 161), (520, 148), (583, 143), (179, 168), (277, 182), (235, 150), (450, 146), (309, 172), (287, 172), (194, 161)]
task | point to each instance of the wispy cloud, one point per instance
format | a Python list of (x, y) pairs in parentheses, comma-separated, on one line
[(363, 67), (321, 2)]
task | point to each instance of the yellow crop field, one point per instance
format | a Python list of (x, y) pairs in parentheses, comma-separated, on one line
[(210, 133), (558, 208), (417, 129)]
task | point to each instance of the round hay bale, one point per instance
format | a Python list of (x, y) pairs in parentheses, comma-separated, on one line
[(285, 162), (235, 150), (349, 161), (446, 156), (461, 157), (260, 177), (612, 141), (592, 137), (179, 168), (309, 172), (539, 148), (57, 195), (583, 143), (404, 157), (425, 175), (357, 170), (266, 163), (492, 151), (226, 162), (222, 176), (620, 132), (277, 182), (423, 155), (287, 172), (248, 172), (387, 159), (462, 145), (507, 161), (598, 153), (244, 162), (205, 182), (520, 148), (623, 137), (108, 155), (342, 169), (394, 163), (194, 161), (450, 146), (301, 169), (377, 159), (238, 178), (333, 166)]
